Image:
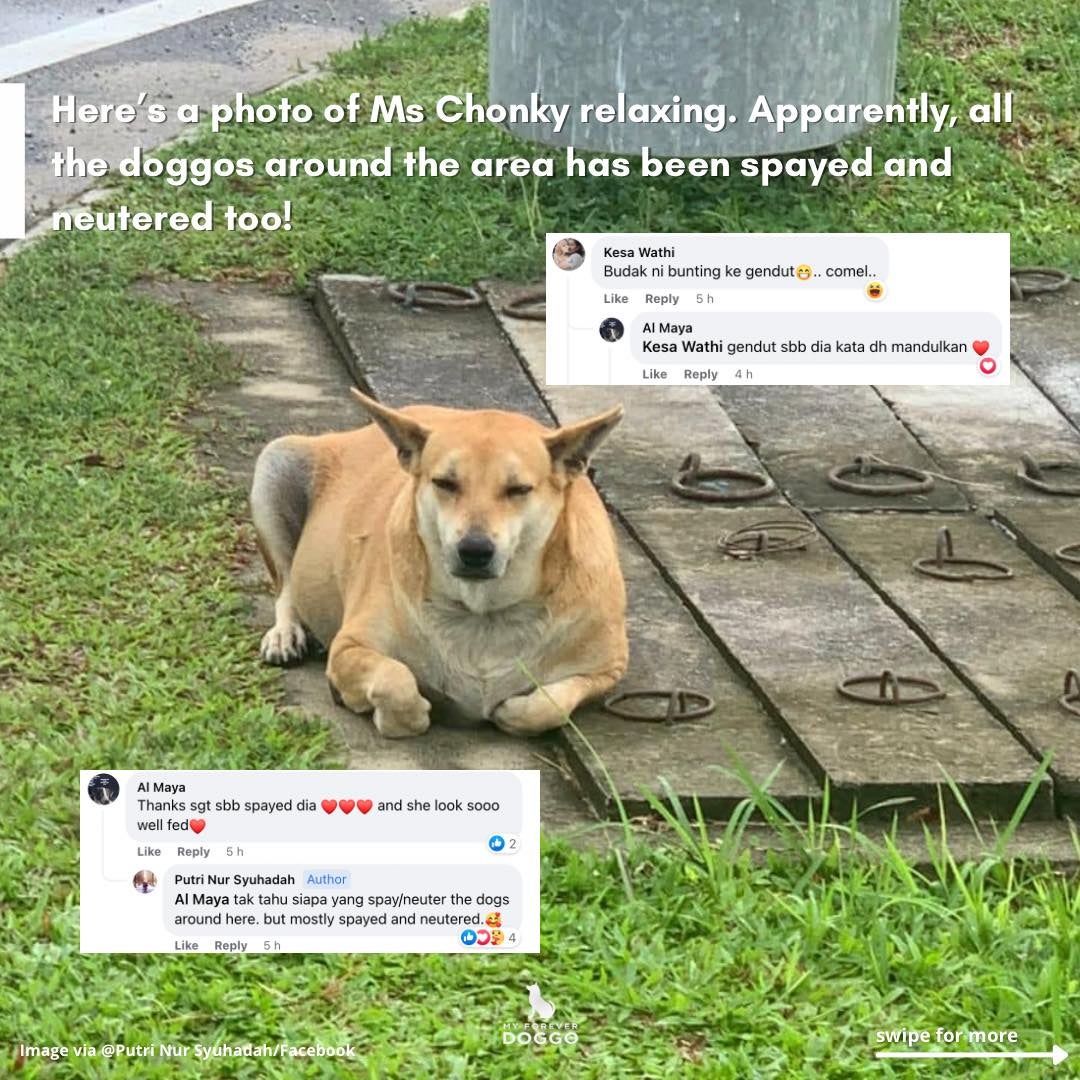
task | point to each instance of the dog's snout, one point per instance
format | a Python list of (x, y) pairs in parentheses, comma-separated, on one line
[(476, 551)]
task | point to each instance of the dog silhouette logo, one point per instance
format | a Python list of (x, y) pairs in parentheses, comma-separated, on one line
[(538, 1006)]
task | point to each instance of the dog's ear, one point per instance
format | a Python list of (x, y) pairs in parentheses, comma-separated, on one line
[(571, 447), (403, 431)]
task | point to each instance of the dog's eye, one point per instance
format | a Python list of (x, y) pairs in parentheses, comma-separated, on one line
[(516, 491), (446, 483)]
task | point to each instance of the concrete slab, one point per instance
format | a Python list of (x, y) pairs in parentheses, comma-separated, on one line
[(801, 432), (1041, 532), (1052, 843), (455, 358), (1046, 344), (978, 434), (1010, 641), (294, 381), (1055, 844), (796, 624), (1042, 842), (798, 627), (616, 760), (462, 358), (663, 423), (662, 427)]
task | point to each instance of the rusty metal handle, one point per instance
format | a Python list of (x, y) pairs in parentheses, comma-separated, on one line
[(1069, 553), (765, 537), (867, 465), (1033, 473), (888, 680), (680, 705), (944, 546), (938, 565), (528, 305), (1071, 698), (433, 294), (687, 482), (1025, 281)]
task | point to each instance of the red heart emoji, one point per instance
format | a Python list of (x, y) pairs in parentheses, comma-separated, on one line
[(363, 805), (980, 347), (346, 806), (329, 805), (197, 824)]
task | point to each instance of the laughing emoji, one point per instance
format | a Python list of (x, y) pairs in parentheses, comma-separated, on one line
[(875, 290), (803, 272)]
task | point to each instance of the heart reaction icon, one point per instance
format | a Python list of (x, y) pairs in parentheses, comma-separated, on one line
[(988, 365)]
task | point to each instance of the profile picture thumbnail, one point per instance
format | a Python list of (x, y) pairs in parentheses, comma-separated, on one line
[(611, 329), (145, 881), (568, 254), (103, 788)]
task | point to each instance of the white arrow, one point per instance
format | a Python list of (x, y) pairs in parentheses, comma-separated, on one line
[(1057, 1055)]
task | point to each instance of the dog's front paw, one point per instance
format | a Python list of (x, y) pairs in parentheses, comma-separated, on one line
[(400, 709), (283, 643), (400, 720), (529, 714)]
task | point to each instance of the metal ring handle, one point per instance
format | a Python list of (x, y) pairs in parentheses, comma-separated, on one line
[(528, 305), (864, 466), (685, 483), (433, 294), (1040, 279), (765, 537), (681, 705), (1071, 698), (894, 684), (1069, 553), (1031, 473), (936, 566)]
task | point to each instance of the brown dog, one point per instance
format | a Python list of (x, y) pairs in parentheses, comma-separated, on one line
[(465, 553)]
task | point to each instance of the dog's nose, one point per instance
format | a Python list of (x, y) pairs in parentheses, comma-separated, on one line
[(475, 550)]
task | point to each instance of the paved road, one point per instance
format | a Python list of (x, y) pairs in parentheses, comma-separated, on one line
[(27, 19), (248, 48)]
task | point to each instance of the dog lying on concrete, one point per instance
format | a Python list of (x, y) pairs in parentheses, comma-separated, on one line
[(458, 554)]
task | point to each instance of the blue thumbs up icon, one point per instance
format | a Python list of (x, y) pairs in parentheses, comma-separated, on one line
[(468, 937), (496, 842)]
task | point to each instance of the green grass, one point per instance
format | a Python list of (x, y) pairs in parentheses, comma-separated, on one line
[(667, 958), (115, 576)]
